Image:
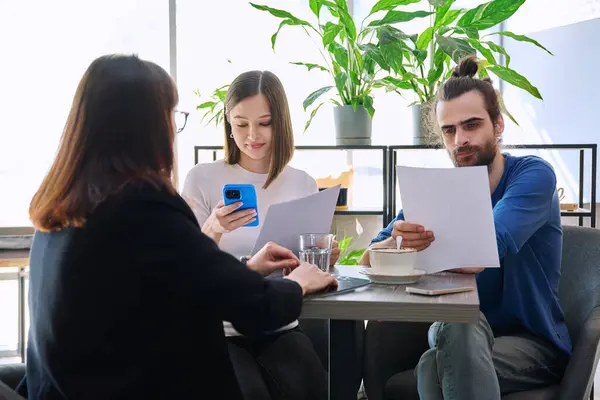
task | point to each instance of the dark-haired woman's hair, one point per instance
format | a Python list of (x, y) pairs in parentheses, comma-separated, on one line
[(120, 128), (250, 84), (464, 80)]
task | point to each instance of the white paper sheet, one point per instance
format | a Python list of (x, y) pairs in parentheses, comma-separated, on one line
[(455, 204), (286, 221)]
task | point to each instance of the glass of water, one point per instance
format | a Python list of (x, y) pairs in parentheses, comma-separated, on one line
[(315, 248)]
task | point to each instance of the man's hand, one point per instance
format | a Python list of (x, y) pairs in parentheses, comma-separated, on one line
[(271, 258), (335, 252), (467, 270), (413, 235)]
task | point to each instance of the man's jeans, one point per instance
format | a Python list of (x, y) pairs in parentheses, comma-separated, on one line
[(466, 362)]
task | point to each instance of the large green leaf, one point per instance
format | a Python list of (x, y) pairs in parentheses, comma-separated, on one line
[(514, 78), (440, 13), (340, 84), (500, 50), (448, 18), (348, 25), (281, 14), (358, 59), (393, 53), (394, 17), (471, 32), (354, 78), (420, 56), (206, 104), (490, 14), (503, 108), (388, 34), (330, 32), (314, 96), (425, 38), (310, 66), (455, 48), (489, 56), (340, 54), (312, 115), (368, 105), (281, 25), (374, 53), (399, 83), (385, 5), (438, 67), (315, 6), (221, 94), (521, 38)]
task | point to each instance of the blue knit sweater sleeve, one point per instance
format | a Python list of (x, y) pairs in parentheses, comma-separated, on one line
[(525, 205), (387, 231)]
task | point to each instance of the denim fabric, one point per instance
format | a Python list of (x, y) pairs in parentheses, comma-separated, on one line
[(467, 362)]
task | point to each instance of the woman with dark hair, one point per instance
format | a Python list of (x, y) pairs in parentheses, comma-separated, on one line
[(259, 144), (127, 296)]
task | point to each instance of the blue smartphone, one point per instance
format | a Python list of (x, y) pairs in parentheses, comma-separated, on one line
[(246, 193)]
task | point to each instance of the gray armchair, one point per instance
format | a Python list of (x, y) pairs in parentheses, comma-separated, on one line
[(393, 349), (10, 377)]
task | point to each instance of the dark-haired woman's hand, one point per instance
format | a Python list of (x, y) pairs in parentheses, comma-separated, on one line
[(311, 278), (273, 257)]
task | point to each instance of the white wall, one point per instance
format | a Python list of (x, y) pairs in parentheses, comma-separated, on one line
[(569, 82)]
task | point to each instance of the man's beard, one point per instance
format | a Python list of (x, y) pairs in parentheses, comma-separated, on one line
[(481, 155)]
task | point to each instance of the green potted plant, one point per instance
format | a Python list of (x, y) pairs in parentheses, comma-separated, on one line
[(451, 35), (358, 60), (214, 107), (348, 256)]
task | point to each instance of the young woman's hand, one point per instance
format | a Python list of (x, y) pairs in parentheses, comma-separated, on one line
[(224, 219)]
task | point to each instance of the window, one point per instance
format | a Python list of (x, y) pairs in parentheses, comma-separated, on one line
[(48, 56)]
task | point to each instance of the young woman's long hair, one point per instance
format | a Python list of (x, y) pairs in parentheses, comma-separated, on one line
[(120, 129)]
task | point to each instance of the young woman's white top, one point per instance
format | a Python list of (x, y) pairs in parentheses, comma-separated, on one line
[(203, 188)]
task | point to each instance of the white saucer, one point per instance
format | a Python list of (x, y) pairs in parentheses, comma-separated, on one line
[(394, 279)]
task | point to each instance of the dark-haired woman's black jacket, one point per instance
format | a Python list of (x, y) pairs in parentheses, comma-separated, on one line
[(131, 305)]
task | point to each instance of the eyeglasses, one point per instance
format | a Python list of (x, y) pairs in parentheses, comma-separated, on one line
[(180, 120)]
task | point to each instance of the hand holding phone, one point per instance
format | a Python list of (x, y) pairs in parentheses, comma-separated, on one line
[(240, 206), (224, 219)]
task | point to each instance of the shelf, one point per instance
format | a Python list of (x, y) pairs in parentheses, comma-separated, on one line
[(580, 212), (359, 212)]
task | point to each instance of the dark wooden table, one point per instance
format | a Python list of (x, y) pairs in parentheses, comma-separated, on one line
[(381, 303)]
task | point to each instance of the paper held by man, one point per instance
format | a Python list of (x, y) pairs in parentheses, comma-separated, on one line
[(286, 221), (455, 204)]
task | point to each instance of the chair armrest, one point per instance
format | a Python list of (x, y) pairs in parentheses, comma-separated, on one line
[(12, 374), (7, 393), (391, 348), (579, 377)]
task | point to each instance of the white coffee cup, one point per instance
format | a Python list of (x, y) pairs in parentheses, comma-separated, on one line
[(393, 261)]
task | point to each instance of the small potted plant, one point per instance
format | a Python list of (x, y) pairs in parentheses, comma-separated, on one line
[(214, 107), (358, 59), (451, 35)]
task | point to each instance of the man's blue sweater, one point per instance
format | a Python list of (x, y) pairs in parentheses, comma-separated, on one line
[(522, 295)]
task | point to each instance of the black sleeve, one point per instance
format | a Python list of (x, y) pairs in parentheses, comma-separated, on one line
[(171, 246)]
